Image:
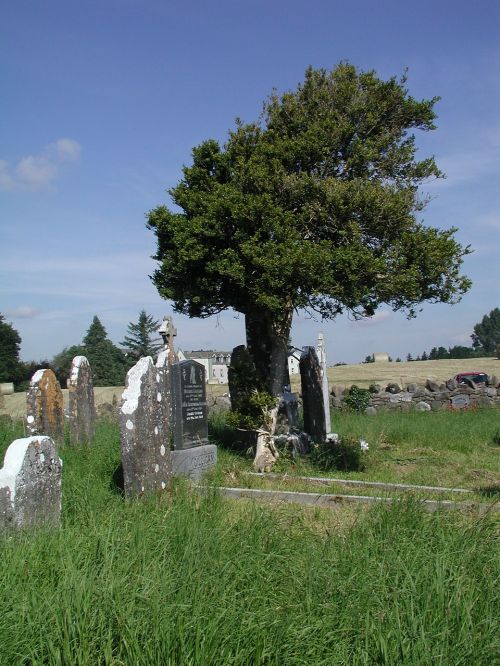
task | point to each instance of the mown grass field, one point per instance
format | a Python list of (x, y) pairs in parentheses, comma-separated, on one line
[(181, 578)]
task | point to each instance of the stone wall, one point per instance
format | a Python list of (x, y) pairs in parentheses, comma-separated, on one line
[(432, 396)]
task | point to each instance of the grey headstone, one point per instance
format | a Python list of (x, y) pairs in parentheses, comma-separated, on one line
[(289, 408), (146, 458), (423, 406), (194, 462), (81, 402), (30, 483), (189, 405), (460, 401), (312, 395), (44, 406)]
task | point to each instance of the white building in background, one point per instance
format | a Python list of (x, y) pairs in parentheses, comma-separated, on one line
[(293, 362), (216, 363)]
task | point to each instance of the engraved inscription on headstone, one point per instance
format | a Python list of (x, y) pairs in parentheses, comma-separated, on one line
[(189, 405), (45, 411)]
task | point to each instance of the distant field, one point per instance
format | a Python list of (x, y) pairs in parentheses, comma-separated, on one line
[(362, 374)]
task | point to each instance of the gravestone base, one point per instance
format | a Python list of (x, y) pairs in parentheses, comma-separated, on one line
[(194, 462)]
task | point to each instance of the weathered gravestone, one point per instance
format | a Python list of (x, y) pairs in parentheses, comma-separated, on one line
[(146, 458), (30, 483), (45, 408), (81, 402), (312, 395), (192, 454), (324, 380)]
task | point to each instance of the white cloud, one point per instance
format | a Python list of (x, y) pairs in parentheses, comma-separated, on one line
[(39, 172), (23, 312), (35, 172), (6, 180), (68, 150)]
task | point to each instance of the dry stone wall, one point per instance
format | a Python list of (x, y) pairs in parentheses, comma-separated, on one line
[(433, 396)]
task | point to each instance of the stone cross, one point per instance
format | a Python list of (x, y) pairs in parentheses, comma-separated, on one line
[(168, 331), (30, 483), (45, 408), (321, 350), (81, 402), (145, 447), (312, 395)]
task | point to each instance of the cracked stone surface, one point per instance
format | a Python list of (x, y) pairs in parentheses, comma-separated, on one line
[(44, 406), (82, 413)]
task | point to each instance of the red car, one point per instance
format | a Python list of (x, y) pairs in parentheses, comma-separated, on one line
[(477, 377)]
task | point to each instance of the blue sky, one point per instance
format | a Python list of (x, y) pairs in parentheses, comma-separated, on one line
[(103, 101)]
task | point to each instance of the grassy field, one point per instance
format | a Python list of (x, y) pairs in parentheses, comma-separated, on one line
[(362, 374), (180, 579)]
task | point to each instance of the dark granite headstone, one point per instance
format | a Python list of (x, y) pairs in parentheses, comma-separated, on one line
[(146, 457), (189, 405), (45, 408), (81, 402), (30, 483), (312, 395)]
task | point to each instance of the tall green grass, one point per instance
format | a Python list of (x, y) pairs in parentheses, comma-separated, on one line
[(180, 578)]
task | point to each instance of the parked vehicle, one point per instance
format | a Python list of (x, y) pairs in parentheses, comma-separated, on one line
[(476, 377)]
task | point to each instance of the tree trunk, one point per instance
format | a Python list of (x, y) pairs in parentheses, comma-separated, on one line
[(267, 343)]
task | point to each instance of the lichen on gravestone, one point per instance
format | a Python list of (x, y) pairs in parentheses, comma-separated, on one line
[(82, 414), (44, 406), (30, 483), (145, 450)]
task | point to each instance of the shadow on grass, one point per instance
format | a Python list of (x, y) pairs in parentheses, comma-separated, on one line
[(117, 484), (489, 491), (227, 437)]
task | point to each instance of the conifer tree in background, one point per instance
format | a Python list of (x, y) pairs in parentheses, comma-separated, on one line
[(10, 342), (108, 363), (61, 363), (486, 334), (140, 341)]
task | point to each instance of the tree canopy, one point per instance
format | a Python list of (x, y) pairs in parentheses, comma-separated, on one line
[(486, 334), (141, 340), (317, 205), (10, 343), (108, 363)]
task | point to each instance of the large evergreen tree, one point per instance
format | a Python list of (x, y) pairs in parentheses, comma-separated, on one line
[(108, 363), (486, 334), (10, 343), (315, 206), (140, 340)]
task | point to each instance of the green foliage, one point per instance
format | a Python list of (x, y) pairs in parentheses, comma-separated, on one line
[(496, 437), (108, 363), (369, 359), (315, 206), (253, 413), (10, 342), (140, 341), (61, 363), (357, 398), (486, 334), (344, 455)]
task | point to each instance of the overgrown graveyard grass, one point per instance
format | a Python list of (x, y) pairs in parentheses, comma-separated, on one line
[(183, 578), (448, 448)]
